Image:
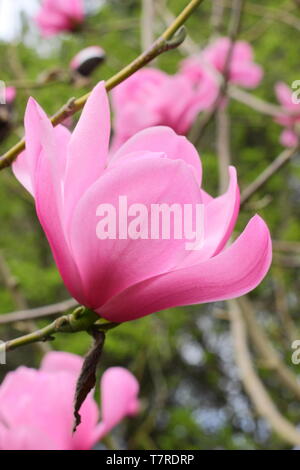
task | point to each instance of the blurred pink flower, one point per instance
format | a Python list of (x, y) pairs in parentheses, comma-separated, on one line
[(36, 405), (242, 70), (56, 16), (10, 94), (123, 279), (151, 97), (290, 118)]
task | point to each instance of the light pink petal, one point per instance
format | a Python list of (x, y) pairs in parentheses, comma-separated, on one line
[(206, 198), (43, 155), (55, 361), (142, 84), (232, 273), (119, 399), (163, 139), (108, 266), (88, 149), (28, 438), (59, 15), (288, 138), (10, 94), (284, 94), (246, 74), (24, 170), (242, 52), (36, 407), (215, 53)]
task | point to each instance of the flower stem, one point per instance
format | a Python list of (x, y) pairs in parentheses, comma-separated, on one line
[(170, 39), (82, 319)]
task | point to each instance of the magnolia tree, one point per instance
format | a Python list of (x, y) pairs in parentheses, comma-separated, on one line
[(136, 195)]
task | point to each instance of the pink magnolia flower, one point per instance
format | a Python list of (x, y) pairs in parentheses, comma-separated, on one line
[(151, 97), (242, 70), (59, 15), (36, 405), (290, 118), (125, 278), (87, 60)]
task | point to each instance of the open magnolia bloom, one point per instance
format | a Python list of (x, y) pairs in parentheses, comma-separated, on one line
[(36, 405), (242, 69), (56, 16), (127, 277), (151, 97)]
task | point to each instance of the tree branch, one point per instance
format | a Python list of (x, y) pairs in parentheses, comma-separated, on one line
[(82, 319), (40, 312), (275, 166), (252, 383), (265, 348)]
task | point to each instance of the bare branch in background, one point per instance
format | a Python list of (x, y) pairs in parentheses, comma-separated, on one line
[(262, 179), (255, 103), (233, 30), (265, 348), (36, 313), (217, 15), (147, 23), (252, 383), (223, 147), (13, 286)]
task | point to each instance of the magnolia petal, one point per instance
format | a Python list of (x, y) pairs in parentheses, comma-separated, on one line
[(232, 273)]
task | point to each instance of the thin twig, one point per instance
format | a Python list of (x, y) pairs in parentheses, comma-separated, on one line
[(255, 103), (223, 147), (262, 179), (234, 27), (265, 348), (81, 319), (252, 383), (13, 286), (147, 23), (36, 313)]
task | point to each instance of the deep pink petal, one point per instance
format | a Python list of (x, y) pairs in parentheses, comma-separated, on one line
[(108, 266), (232, 273), (220, 215), (88, 149), (43, 154)]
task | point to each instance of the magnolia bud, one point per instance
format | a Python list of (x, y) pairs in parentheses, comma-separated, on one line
[(87, 60)]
